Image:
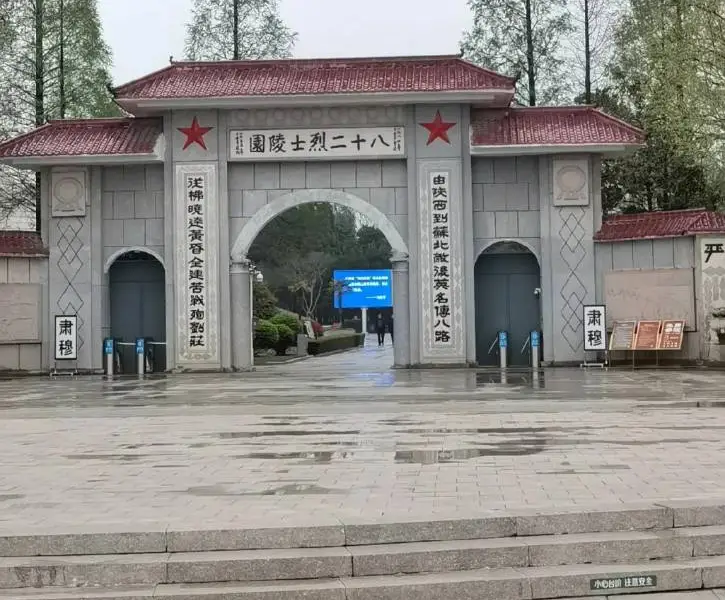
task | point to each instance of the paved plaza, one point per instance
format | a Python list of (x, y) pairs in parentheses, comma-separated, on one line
[(345, 436)]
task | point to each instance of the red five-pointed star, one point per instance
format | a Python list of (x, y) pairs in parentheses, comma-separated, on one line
[(195, 134), (438, 129)]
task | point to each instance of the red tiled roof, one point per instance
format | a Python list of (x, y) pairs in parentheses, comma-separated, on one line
[(86, 137), (550, 126), (652, 225), (313, 76), (21, 243)]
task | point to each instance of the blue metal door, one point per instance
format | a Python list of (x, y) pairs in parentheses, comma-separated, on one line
[(138, 305), (506, 299)]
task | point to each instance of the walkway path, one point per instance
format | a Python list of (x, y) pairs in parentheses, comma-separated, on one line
[(344, 435)]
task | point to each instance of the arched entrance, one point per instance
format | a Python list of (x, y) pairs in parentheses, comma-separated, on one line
[(240, 286), (136, 282), (507, 288)]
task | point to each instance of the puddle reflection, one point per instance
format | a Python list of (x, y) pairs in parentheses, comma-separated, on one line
[(534, 379)]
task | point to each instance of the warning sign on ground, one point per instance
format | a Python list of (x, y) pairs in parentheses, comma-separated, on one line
[(619, 583)]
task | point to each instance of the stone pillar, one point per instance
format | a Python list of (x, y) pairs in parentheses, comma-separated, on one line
[(401, 311), (241, 300)]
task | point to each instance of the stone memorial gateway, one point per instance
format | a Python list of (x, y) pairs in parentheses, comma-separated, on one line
[(490, 208)]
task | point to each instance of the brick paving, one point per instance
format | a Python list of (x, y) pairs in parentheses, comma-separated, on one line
[(344, 436)]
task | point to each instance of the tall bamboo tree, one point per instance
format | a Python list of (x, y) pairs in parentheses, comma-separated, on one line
[(55, 65), (237, 29), (523, 38)]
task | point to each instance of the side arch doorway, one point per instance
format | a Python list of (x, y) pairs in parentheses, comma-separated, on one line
[(507, 288), (136, 282)]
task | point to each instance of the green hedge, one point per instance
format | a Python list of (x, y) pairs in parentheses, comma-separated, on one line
[(289, 320), (338, 342), (266, 335)]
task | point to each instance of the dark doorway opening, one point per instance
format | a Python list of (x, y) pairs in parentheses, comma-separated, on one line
[(507, 279), (138, 306)]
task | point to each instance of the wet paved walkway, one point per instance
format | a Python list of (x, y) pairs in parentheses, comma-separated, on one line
[(345, 435)]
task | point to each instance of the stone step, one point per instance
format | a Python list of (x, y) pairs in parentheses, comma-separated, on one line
[(351, 532), (538, 583), (361, 561)]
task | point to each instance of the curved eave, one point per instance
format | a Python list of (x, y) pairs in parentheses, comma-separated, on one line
[(666, 236), (35, 162), (45, 254), (41, 161), (481, 98), (608, 150)]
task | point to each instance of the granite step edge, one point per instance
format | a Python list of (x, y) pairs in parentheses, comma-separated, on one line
[(365, 531), (539, 583)]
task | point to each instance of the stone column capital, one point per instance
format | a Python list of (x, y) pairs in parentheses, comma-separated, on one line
[(238, 265), (400, 261)]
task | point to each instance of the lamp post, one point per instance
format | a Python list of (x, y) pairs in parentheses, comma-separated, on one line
[(258, 277)]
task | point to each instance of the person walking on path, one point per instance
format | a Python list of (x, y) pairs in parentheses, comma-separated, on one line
[(380, 329), (390, 330)]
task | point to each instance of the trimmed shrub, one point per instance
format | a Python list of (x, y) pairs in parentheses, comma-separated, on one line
[(266, 335), (288, 320), (265, 302), (286, 338), (338, 342)]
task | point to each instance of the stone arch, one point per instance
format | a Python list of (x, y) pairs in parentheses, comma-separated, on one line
[(507, 293), (524, 244), (136, 303), (268, 212), (120, 252)]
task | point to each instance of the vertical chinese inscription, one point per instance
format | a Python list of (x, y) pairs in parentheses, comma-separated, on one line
[(197, 264), (66, 337), (595, 327), (196, 259), (441, 257)]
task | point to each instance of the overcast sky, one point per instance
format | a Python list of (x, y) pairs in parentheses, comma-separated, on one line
[(144, 33)]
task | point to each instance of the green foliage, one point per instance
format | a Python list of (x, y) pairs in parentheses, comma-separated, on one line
[(334, 343), (31, 76), (662, 78), (499, 39), (286, 338), (265, 302), (266, 335), (261, 33), (288, 320), (298, 250), (369, 251)]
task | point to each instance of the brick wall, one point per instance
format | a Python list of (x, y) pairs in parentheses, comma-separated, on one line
[(506, 201), (383, 184), (133, 208)]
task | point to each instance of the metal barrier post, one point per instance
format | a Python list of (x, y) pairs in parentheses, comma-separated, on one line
[(152, 354), (140, 356), (503, 344), (535, 345), (108, 355)]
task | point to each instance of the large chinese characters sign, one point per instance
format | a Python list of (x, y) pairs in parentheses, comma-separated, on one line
[(441, 258), (441, 267), (302, 144), (196, 263)]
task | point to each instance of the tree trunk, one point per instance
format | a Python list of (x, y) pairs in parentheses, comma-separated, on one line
[(235, 29), (39, 96), (530, 54), (61, 63), (587, 55)]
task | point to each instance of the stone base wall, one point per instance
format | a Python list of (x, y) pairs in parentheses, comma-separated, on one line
[(23, 289)]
